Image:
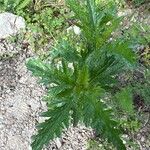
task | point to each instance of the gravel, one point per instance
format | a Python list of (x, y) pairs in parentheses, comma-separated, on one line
[(20, 105)]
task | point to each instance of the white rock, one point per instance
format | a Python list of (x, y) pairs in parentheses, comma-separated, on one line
[(10, 24), (58, 143), (75, 29), (142, 139)]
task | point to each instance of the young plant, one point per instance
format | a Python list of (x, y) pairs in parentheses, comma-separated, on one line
[(80, 75)]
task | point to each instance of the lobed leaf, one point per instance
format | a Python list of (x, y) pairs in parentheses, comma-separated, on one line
[(52, 127)]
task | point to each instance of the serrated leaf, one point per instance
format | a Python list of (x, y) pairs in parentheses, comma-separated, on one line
[(66, 51), (125, 100), (122, 49), (58, 119), (105, 126), (99, 118)]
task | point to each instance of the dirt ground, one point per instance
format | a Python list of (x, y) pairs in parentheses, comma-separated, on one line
[(20, 105)]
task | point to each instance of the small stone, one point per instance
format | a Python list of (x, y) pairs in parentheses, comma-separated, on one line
[(75, 29), (142, 139), (10, 24), (58, 143)]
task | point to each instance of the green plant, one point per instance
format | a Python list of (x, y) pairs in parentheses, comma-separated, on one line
[(125, 100), (139, 36), (48, 21), (44, 21), (14, 5), (141, 29), (44, 24), (80, 76)]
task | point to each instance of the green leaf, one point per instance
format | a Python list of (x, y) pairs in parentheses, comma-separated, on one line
[(125, 100), (48, 74), (37, 67), (107, 31), (99, 117), (83, 77), (23, 4), (52, 127), (66, 51), (122, 49), (107, 127)]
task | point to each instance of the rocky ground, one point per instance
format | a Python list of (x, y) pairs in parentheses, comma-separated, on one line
[(20, 106)]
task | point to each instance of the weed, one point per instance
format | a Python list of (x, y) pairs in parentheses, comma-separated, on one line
[(80, 75)]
